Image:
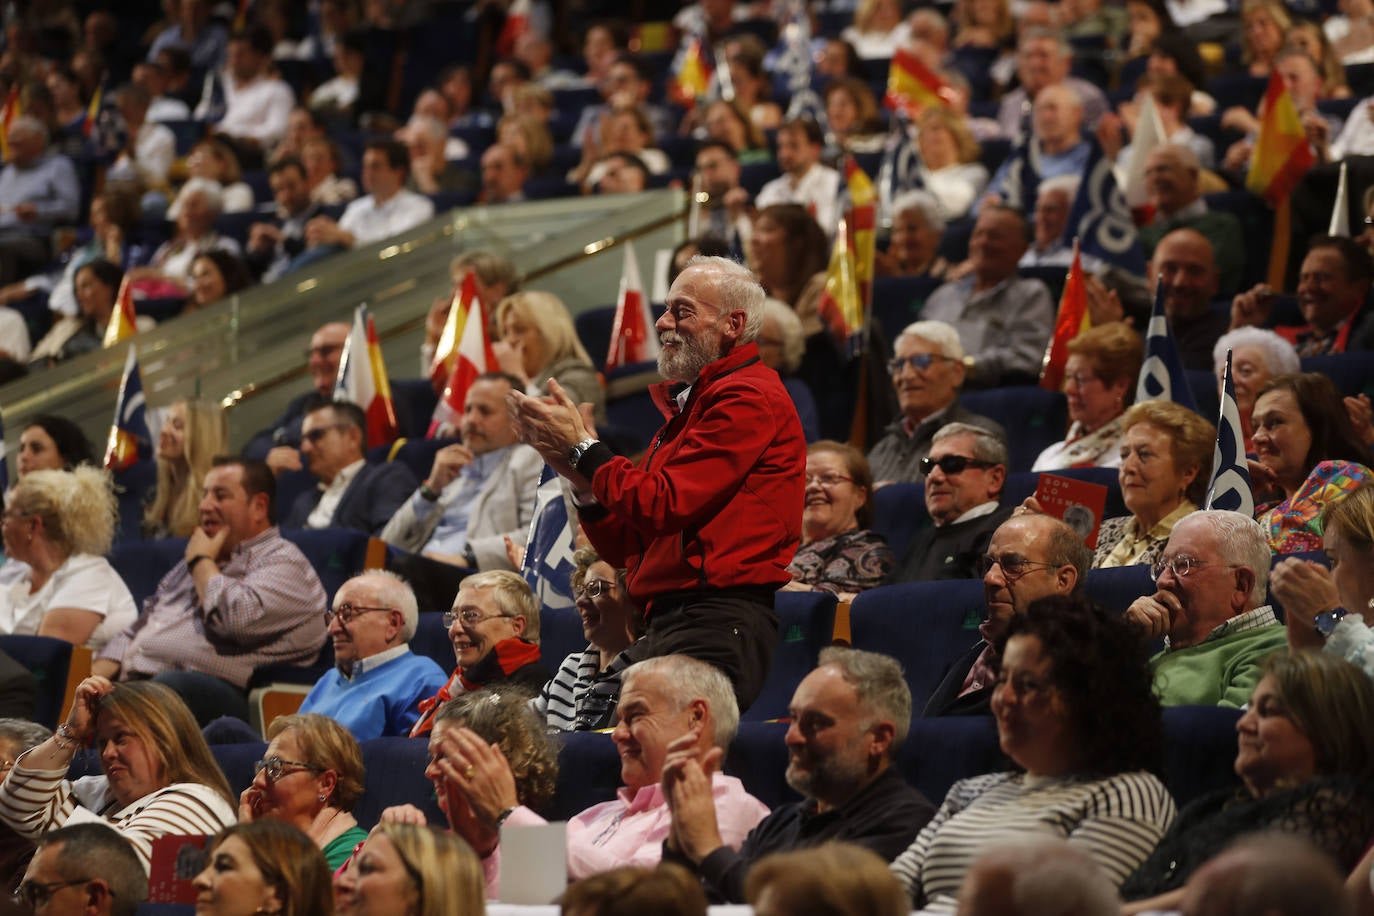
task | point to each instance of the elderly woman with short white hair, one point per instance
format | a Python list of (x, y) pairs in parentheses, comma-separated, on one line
[(1257, 355), (781, 347), (201, 202), (918, 225)]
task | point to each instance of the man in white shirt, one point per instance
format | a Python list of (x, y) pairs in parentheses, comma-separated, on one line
[(151, 147), (804, 180), (387, 209), (152, 76), (341, 92), (256, 104)]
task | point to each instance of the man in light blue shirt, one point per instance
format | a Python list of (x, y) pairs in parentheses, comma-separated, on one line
[(1056, 143), (38, 191), (377, 684)]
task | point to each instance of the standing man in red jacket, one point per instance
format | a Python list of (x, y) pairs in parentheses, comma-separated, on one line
[(708, 521)]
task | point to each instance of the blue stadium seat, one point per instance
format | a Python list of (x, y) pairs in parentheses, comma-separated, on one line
[(560, 635), (431, 640), (634, 418), (806, 625), (1353, 372), (290, 486), (47, 660), (1035, 418), (414, 400), (588, 773), (142, 564), (337, 554), (899, 511), (237, 225), (396, 776), (1115, 589), (1203, 385), (1230, 89), (1360, 78), (941, 751), (418, 454), (758, 758), (954, 243), (755, 175), (133, 487), (897, 301), (926, 626)]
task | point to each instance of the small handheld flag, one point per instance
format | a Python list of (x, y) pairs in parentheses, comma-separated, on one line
[(130, 426), (1230, 488), (1161, 375)]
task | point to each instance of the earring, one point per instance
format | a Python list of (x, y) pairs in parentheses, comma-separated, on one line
[(323, 797)]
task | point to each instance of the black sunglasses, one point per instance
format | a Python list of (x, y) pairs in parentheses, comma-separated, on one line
[(952, 464)]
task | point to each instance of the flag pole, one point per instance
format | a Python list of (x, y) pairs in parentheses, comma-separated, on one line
[(1278, 249)]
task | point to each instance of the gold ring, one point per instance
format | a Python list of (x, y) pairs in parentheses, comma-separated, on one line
[(467, 774)]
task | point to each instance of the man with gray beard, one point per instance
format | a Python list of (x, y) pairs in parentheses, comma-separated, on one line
[(848, 719), (708, 520)]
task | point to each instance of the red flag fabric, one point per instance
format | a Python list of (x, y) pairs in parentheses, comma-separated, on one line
[(1072, 321), (474, 356), (911, 86), (446, 351), (633, 338), (692, 78), (363, 380), (123, 321), (1282, 154)]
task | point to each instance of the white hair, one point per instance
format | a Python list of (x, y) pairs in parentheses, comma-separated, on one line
[(391, 590), (1241, 541), (1279, 355), (686, 679), (211, 189), (924, 203), (937, 332), (790, 327), (1066, 183), (738, 288)]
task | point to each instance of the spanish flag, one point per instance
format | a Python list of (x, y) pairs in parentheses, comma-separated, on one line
[(633, 337), (123, 321), (1073, 320), (862, 223), (446, 351), (1282, 154), (692, 77), (13, 108), (130, 426), (911, 86), (93, 110), (472, 357), (841, 308), (362, 379)]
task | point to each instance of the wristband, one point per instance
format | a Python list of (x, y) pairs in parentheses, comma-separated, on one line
[(191, 563), (503, 816), (64, 737)]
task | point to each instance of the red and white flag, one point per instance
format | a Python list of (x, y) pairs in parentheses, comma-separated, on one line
[(472, 357), (633, 338), (446, 351), (362, 379)]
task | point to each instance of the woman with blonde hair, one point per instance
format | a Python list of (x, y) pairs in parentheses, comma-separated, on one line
[(949, 169), (193, 433), (834, 879), (1264, 24), (310, 776), (410, 870), (540, 343), (529, 136), (266, 867), (61, 523), (159, 776)]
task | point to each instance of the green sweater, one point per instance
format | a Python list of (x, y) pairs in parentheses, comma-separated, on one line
[(1220, 672)]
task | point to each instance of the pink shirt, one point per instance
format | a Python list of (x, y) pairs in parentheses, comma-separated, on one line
[(631, 830)]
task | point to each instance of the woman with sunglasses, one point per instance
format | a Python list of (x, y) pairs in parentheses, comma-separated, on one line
[(838, 554), (310, 776), (1099, 383), (583, 695), (1074, 702)]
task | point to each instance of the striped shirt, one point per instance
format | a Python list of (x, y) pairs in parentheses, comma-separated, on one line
[(581, 696), (33, 802), (1117, 821)]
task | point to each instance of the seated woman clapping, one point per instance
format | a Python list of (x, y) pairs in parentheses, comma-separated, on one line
[(1306, 762), (1076, 712), (159, 778)]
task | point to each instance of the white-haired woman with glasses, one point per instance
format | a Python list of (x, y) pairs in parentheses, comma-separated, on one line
[(838, 554), (1257, 355), (584, 693), (310, 776)]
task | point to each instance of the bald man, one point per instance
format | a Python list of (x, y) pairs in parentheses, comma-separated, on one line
[(1184, 263), (1171, 183)]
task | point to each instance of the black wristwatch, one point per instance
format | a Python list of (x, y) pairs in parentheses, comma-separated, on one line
[(1325, 622)]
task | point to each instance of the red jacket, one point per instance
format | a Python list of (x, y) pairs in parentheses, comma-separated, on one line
[(717, 500)]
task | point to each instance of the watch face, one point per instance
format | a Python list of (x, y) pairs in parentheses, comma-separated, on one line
[(1326, 621)]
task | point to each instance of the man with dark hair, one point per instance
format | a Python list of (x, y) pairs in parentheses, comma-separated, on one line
[(1333, 294), (256, 103), (352, 493), (272, 245), (1029, 556), (849, 719), (478, 492), (1004, 321), (387, 208), (150, 149), (198, 38), (726, 209), (1172, 174), (152, 76), (504, 172), (244, 597), (624, 173), (804, 179), (84, 870)]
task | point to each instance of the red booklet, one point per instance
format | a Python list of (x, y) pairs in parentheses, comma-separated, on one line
[(1078, 502), (176, 862)]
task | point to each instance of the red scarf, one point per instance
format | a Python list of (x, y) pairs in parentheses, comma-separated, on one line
[(508, 656)]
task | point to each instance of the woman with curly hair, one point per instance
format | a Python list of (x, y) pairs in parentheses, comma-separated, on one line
[(1076, 712), (1306, 763)]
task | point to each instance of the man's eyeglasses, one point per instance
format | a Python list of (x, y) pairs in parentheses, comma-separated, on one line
[(952, 464), (827, 480), (37, 893), (1014, 566), (315, 435), (347, 613), (277, 768), (593, 588), (1181, 565), (921, 361), (324, 351), (469, 618)]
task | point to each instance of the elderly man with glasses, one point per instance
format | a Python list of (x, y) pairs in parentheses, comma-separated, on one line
[(1209, 608), (927, 373), (494, 626), (1030, 556), (964, 473), (377, 683)]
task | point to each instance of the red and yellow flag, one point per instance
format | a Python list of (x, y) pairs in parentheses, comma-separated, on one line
[(472, 357), (693, 77), (363, 380), (911, 86), (446, 351), (123, 320), (93, 111), (13, 108), (862, 220), (1073, 320), (841, 308), (130, 426), (1282, 154), (633, 337)]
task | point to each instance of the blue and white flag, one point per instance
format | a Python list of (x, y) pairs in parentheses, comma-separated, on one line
[(548, 564), (900, 170), (793, 58), (1230, 488), (1021, 183), (1101, 219), (1161, 375)]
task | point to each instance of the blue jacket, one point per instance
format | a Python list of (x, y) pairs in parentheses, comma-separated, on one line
[(379, 702)]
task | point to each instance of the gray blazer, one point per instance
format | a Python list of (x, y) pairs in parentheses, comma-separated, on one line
[(505, 505)]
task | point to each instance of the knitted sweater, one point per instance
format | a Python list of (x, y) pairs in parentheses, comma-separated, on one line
[(1218, 672), (384, 700)]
